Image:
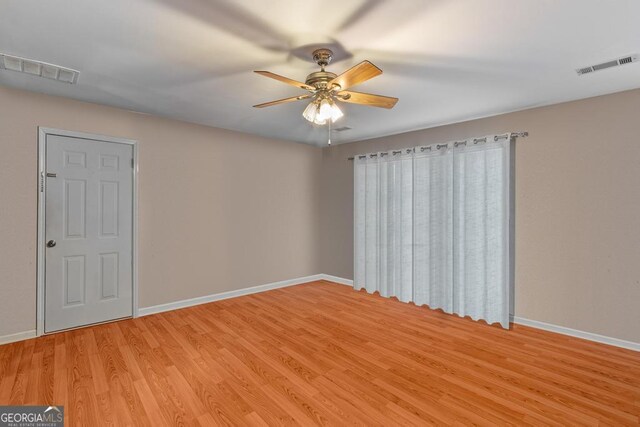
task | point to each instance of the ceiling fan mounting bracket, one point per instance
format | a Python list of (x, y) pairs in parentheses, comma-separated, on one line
[(322, 57)]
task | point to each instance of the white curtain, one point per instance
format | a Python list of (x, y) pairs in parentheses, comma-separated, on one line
[(432, 226)]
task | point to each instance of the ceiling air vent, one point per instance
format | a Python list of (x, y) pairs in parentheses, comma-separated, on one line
[(603, 66), (342, 129), (38, 68)]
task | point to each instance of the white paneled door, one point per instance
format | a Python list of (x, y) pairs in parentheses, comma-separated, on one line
[(88, 232)]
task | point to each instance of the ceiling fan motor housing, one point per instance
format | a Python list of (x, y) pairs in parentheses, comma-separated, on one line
[(320, 79)]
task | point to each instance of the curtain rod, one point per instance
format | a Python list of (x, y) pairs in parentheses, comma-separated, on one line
[(509, 135)]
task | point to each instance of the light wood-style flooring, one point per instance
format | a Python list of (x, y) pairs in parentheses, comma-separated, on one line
[(320, 353)]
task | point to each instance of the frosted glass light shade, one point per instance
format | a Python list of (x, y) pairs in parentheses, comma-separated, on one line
[(318, 121), (325, 110), (336, 113), (310, 112)]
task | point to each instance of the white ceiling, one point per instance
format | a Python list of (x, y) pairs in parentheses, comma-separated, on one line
[(447, 60)]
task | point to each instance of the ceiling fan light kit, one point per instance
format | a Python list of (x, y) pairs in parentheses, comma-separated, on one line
[(326, 88), (322, 109)]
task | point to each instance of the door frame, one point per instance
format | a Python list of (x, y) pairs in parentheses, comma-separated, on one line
[(42, 182)]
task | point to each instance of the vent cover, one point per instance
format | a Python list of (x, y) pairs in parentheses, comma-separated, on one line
[(342, 129), (603, 66), (38, 69)]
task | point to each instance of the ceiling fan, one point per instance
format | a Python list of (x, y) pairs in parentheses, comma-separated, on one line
[(325, 88)]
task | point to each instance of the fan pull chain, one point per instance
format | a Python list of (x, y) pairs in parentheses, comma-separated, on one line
[(329, 136)]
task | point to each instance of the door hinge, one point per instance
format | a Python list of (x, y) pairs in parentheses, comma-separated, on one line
[(132, 164), (41, 182)]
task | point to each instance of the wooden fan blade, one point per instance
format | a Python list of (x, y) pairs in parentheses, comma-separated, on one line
[(366, 99), (286, 80), (356, 75), (283, 101)]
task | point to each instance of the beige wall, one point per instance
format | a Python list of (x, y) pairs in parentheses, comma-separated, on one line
[(219, 210), (577, 209)]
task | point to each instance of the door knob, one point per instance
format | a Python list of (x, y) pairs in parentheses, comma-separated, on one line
[(51, 243)]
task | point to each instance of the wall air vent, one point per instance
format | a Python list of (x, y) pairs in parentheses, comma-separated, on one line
[(342, 129), (38, 68), (603, 66)]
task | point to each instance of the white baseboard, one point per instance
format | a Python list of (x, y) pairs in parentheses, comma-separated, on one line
[(576, 333), (6, 339), (145, 311), (538, 325), (336, 279)]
